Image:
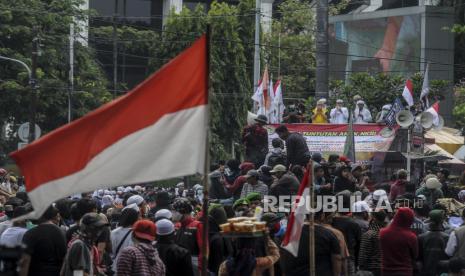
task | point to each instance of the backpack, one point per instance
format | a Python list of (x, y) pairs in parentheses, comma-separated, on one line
[(277, 159), (186, 237)]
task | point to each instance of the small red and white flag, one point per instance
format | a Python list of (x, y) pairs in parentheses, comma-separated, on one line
[(296, 220), (137, 138), (434, 110), (408, 92)]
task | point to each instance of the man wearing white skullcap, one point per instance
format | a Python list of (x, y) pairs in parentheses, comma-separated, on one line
[(361, 113)]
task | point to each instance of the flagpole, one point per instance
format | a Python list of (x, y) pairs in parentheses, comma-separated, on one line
[(207, 164), (311, 230)]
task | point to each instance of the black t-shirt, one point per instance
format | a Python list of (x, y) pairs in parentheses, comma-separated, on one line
[(46, 244), (352, 233), (326, 244)]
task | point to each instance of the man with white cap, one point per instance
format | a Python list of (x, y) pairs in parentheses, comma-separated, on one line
[(378, 196), (140, 202), (361, 113), (431, 191), (382, 114), (339, 114), (361, 214), (163, 214), (177, 259)]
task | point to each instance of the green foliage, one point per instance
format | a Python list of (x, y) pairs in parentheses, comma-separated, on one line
[(230, 82), (459, 109), (295, 30), (22, 20), (380, 89)]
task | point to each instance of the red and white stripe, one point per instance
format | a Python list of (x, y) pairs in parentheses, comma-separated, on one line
[(156, 131), (434, 110), (296, 220), (408, 92)]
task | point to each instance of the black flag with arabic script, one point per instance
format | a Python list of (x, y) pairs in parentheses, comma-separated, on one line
[(390, 118)]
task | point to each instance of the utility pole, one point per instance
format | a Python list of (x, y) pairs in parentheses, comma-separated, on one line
[(322, 50), (256, 57), (34, 86), (71, 70), (115, 50)]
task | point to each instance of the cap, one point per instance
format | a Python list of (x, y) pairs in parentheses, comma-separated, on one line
[(164, 227), (240, 201), (137, 199), (387, 107), (93, 220), (163, 214), (262, 119), (252, 173), (180, 184), (360, 102), (127, 189), (360, 207), (378, 194), (253, 196), (433, 183), (339, 101), (278, 168), (132, 206), (428, 176), (144, 229), (436, 216), (356, 167)]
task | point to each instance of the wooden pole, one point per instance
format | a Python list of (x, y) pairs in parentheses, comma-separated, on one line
[(207, 166), (311, 230)]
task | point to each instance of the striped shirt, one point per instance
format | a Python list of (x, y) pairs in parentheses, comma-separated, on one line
[(260, 188), (141, 259)]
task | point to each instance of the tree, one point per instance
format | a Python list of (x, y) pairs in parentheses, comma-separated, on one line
[(380, 89), (22, 21), (230, 82), (294, 27)]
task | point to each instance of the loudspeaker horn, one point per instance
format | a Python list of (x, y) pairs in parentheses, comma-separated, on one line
[(404, 118), (251, 118), (386, 132), (425, 119), (440, 124)]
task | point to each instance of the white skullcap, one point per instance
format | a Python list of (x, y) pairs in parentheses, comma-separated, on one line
[(132, 206), (137, 199), (163, 213), (360, 102), (164, 227)]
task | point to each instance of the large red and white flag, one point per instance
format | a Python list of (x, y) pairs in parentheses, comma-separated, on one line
[(434, 110), (139, 137), (296, 221), (408, 92)]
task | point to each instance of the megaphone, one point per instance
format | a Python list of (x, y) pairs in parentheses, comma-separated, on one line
[(386, 132), (440, 124), (251, 118), (425, 119), (404, 118)]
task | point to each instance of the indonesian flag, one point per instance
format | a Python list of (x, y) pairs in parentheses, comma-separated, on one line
[(408, 92), (296, 221), (434, 110), (136, 138), (258, 95)]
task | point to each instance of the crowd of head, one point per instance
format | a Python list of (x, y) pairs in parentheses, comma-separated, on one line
[(395, 227), (339, 112)]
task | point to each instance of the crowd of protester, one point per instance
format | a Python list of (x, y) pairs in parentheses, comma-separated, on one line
[(148, 230)]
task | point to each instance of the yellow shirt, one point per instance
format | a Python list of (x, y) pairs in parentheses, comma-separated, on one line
[(319, 117)]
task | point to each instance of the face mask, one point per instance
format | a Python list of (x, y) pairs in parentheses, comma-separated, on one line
[(238, 213)]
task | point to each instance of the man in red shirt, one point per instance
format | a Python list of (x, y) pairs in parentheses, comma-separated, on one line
[(399, 245), (255, 140)]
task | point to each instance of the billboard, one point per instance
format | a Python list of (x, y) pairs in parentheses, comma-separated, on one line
[(386, 44)]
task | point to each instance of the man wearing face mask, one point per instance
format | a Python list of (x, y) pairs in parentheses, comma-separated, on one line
[(361, 113), (241, 207), (339, 114), (381, 116)]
